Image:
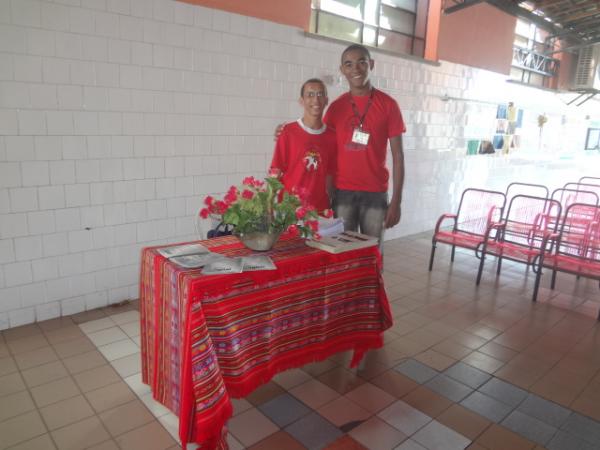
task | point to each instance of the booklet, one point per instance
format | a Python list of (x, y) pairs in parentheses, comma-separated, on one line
[(257, 262), (182, 250), (343, 242), (330, 227), (223, 265), (195, 261)]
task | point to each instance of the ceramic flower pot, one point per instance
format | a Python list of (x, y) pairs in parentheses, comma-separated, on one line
[(259, 240)]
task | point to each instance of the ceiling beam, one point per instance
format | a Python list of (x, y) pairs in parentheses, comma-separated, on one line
[(576, 17), (461, 5), (514, 10)]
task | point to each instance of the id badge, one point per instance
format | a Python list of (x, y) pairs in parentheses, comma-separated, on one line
[(360, 137)]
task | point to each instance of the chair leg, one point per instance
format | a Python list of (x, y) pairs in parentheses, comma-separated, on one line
[(536, 285), (499, 268), (481, 261), (452, 254), (553, 282), (432, 256)]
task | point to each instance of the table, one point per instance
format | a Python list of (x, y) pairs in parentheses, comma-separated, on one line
[(208, 338)]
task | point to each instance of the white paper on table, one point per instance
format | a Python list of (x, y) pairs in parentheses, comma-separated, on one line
[(195, 261), (183, 250), (257, 262), (223, 266), (330, 227)]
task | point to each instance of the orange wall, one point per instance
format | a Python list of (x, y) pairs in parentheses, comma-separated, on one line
[(480, 36), (288, 12), (433, 29)]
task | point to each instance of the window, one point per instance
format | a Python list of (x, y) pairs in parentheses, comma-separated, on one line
[(592, 141), (393, 25), (530, 64)]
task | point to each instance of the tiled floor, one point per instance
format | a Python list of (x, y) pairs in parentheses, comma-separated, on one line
[(462, 367)]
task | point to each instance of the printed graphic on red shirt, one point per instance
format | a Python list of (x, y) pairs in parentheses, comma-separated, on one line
[(312, 160)]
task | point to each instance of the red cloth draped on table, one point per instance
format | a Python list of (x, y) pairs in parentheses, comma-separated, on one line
[(207, 338)]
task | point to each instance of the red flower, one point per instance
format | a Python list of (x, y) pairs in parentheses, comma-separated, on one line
[(230, 197), (247, 194), (208, 201), (221, 207), (313, 225), (249, 181), (301, 212), (316, 236), (293, 230), (328, 213), (204, 213), (274, 172)]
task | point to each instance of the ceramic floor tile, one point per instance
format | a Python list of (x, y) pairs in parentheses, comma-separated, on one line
[(409, 444), (291, 378), (84, 361), (567, 441), (464, 421), (277, 441), (404, 417), (376, 434), (96, 325), (73, 347), (15, 404), (138, 386), (427, 401), (157, 409), (313, 431), (108, 397), (395, 383), (283, 409), (151, 436), (435, 436), (125, 417), (533, 429), (131, 329), (504, 392), (314, 393), (7, 365), (65, 412), (370, 397), (345, 443), (21, 428), (483, 362), (27, 344), (488, 407), (416, 370), (435, 360), (264, 393), (251, 427), (449, 388), (11, 383), (119, 349), (107, 336), (125, 317), (583, 427), (499, 438), (38, 443), (44, 373), (344, 412), (96, 378), (548, 412), (341, 380), (171, 423), (467, 375), (128, 365), (34, 358), (68, 333), (55, 391), (106, 445)]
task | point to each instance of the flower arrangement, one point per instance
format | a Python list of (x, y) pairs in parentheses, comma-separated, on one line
[(264, 206)]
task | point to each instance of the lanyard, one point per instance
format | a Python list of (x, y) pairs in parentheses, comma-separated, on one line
[(355, 109)]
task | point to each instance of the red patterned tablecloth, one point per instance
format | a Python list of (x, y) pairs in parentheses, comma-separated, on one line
[(208, 338)]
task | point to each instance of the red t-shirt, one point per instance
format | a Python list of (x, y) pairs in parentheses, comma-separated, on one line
[(306, 158), (362, 167)]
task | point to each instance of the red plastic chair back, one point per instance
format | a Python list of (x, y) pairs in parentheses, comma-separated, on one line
[(477, 209), (580, 233), (518, 188), (529, 219)]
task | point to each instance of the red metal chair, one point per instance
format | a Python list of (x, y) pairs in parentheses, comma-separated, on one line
[(590, 180), (518, 188), (522, 234), (478, 208), (583, 187), (576, 248), (567, 197)]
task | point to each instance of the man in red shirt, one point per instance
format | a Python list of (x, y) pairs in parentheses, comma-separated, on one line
[(305, 150), (365, 119)]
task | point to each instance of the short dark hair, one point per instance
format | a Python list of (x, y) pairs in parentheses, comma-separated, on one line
[(312, 80), (359, 47)]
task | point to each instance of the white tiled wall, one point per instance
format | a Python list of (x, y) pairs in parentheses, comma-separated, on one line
[(118, 116)]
